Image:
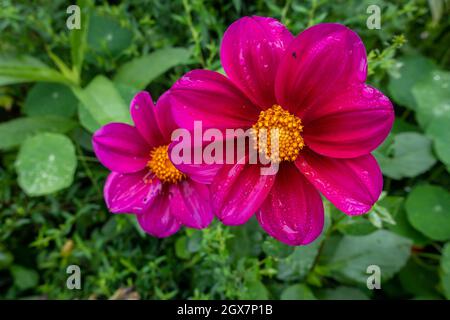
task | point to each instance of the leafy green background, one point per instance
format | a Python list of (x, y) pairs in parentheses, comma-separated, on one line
[(58, 86)]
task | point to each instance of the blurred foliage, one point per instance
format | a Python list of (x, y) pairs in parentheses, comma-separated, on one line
[(57, 86)]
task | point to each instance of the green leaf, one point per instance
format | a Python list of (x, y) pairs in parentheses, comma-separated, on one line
[(194, 241), (181, 248), (405, 155), (46, 163), (439, 132), (14, 132), (24, 278), (299, 263), (277, 249), (355, 226), (255, 290), (50, 99), (101, 104), (86, 119), (403, 228), (6, 258), (401, 125), (428, 209), (106, 35), (418, 280), (139, 72), (433, 98), (78, 37), (445, 270), (382, 248), (26, 69), (413, 68), (297, 292), (344, 293), (246, 240), (126, 92)]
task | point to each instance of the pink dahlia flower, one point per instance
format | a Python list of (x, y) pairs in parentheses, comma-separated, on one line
[(143, 181), (312, 89)]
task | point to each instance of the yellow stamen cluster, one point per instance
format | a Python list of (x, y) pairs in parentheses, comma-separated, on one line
[(162, 167), (288, 128)]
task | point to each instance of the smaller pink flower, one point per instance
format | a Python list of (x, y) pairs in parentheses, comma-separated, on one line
[(143, 180)]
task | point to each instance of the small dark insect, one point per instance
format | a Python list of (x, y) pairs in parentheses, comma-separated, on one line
[(294, 54)]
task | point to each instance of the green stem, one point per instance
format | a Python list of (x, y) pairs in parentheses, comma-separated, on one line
[(312, 13), (285, 11), (88, 170), (432, 256), (194, 33)]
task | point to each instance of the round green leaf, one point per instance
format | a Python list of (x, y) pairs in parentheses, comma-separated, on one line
[(15, 131), (428, 209), (105, 34), (297, 292), (403, 227), (439, 131), (382, 248), (50, 99), (433, 97), (412, 68), (405, 155), (46, 163)]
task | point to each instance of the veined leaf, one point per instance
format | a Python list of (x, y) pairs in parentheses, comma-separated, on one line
[(139, 72)]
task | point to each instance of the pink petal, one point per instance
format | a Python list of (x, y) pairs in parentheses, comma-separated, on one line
[(120, 148), (208, 96), (157, 219), (251, 51), (238, 191), (143, 112), (321, 61), (352, 185), (201, 171), (190, 204), (130, 193), (353, 124), (166, 122), (293, 210)]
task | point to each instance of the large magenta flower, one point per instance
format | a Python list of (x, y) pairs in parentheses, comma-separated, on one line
[(312, 89), (143, 181)]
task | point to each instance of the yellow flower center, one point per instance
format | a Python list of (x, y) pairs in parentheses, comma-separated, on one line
[(277, 134), (162, 167)]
